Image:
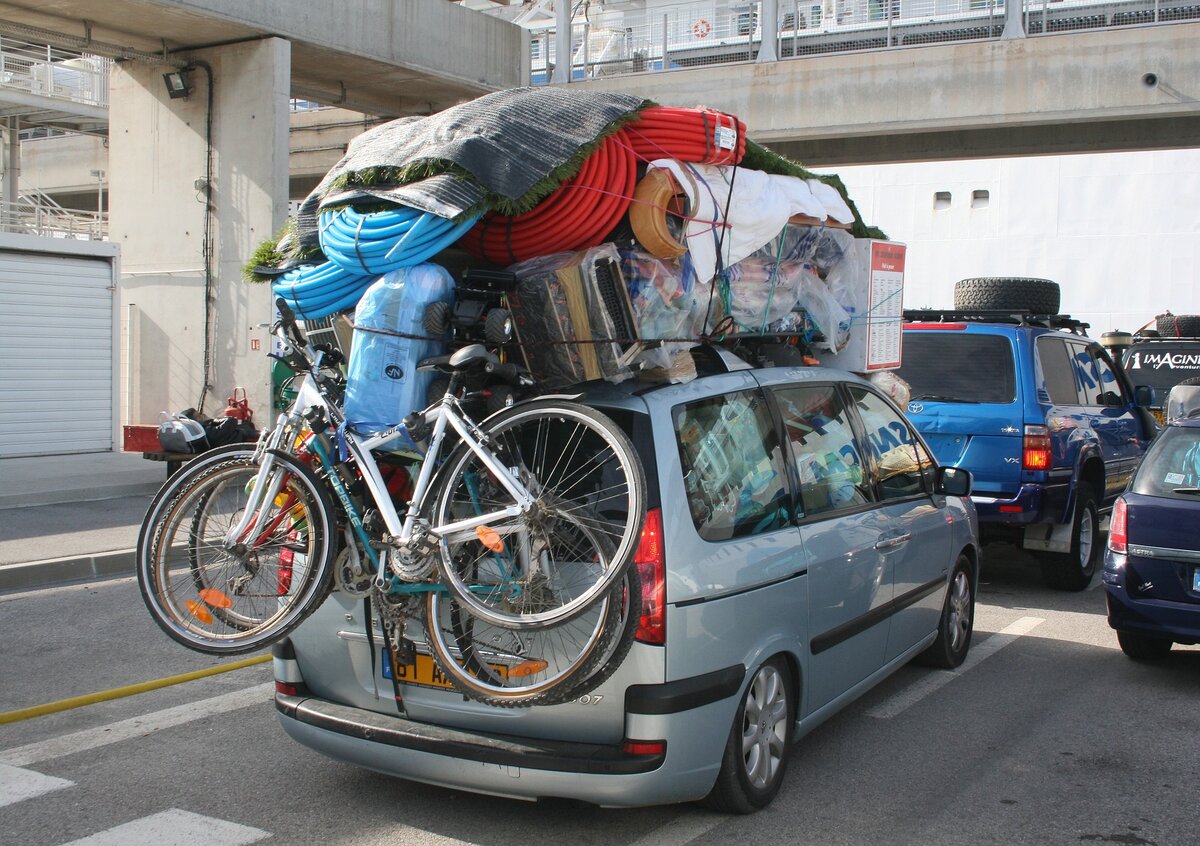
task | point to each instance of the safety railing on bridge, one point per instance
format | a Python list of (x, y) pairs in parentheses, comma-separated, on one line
[(53, 72), (49, 220), (717, 32)]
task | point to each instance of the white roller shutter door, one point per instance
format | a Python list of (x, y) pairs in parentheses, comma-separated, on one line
[(56, 368)]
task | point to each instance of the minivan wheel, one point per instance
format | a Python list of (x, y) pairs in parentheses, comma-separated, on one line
[(1141, 647), (957, 623), (759, 744), (1074, 570)]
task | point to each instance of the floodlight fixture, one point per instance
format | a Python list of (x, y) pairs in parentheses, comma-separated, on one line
[(178, 83)]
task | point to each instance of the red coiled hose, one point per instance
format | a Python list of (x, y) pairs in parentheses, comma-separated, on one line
[(689, 135), (577, 215)]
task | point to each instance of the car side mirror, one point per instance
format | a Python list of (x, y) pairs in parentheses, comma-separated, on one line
[(1143, 395), (952, 481)]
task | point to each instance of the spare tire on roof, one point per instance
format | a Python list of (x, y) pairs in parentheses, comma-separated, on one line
[(1178, 325), (1040, 296)]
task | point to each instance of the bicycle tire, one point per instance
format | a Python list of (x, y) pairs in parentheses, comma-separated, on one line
[(556, 663), (585, 474), (227, 602)]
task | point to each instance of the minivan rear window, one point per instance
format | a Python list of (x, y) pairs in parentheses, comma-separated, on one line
[(943, 366)]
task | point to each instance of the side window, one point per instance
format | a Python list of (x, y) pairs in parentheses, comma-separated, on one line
[(905, 468), (733, 467), (1110, 387), (1058, 371), (1091, 390), (823, 449)]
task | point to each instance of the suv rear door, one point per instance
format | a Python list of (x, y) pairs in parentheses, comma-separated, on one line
[(965, 400)]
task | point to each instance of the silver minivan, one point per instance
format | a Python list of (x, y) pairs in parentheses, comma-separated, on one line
[(801, 544)]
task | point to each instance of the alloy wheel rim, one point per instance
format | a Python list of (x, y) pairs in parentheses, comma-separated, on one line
[(960, 610), (1086, 540), (764, 727)]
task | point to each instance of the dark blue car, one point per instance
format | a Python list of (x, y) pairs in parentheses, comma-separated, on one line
[(1152, 564)]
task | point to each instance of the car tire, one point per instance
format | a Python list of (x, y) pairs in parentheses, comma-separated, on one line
[(1141, 647), (759, 744), (1074, 570), (1178, 325), (957, 623), (1040, 296)]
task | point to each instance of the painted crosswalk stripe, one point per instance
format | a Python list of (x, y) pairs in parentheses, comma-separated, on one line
[(17, 784), (174, 828), (81, 741), (914, 693)]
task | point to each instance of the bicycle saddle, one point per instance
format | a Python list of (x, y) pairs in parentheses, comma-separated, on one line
[(471, 355)]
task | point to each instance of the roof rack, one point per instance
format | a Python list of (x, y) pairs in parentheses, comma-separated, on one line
[(1163, 339), (1020, 317)]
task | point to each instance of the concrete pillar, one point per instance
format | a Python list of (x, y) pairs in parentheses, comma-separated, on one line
[(769, 27), (160, 179), (562, 42), (11, 187), (1014, 22)]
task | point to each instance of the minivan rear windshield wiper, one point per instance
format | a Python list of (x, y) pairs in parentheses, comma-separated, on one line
[(941, 398)]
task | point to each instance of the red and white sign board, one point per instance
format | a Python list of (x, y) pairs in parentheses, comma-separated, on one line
[(877, 322)]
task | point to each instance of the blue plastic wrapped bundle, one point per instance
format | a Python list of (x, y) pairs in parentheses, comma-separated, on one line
[(382, 382), (382, 241)]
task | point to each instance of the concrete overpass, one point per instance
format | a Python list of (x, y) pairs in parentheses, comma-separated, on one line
[(1134, 88)]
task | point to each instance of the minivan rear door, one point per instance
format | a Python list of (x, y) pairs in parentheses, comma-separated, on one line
[(964, 401)]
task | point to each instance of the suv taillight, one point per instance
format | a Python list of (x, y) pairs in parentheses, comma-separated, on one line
[(650, 559), (1035, 454), (1118, 528)]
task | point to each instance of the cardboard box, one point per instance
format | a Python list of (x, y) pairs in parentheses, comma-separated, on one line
[(878, 319)]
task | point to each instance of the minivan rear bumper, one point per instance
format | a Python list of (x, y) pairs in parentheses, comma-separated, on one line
[(518, 767)]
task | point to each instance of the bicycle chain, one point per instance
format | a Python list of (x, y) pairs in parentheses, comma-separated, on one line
[(393, 611)]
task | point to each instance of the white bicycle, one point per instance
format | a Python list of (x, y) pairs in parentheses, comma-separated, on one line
[(514, 550)]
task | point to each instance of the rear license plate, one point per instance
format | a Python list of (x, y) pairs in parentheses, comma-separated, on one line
[(1196, 580), (423, 672)]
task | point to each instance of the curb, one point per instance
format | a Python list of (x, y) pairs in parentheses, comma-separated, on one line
[(52, 571), (58, 497)]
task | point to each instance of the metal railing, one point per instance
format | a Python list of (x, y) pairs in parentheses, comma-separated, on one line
[(53, 72), (49, 220), (717, 32)]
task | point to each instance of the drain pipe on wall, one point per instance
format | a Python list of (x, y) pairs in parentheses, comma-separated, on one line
[(207, 252)]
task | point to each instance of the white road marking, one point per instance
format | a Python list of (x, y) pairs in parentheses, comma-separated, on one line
[(81, 741), (681, 830), (914, 693), (17, 784), (174, 828)]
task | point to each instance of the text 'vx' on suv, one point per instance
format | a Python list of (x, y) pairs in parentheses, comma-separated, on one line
[(1049, 427), (801, 544)]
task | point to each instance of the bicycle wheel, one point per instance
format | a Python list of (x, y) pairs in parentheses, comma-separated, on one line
[(546, 666), (222, 598), (572, 547)]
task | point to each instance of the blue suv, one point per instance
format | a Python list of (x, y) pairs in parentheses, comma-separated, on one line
[(1050, 429)]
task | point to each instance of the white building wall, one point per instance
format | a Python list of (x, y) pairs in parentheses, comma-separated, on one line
[(1120, 232)]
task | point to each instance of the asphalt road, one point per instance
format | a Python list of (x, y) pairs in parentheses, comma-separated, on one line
[(1048, 735)]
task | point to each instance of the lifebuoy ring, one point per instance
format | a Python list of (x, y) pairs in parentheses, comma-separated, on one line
[(701, 28), (655, 196)]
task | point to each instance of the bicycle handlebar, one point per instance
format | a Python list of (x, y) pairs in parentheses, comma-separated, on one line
[(513, 374), (287, 320)]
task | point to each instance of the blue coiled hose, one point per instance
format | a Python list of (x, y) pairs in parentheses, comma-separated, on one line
[(319, 290), (360, 248), (379, 242)]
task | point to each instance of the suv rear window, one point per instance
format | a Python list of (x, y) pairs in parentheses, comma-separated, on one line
[(947, 366), (1162, 366)]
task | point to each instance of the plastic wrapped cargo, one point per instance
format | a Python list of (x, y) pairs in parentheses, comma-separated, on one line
[(382, 381)]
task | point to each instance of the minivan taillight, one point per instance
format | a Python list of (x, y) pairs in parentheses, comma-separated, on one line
[(650, 559), (1118, 528), (1035, 454)]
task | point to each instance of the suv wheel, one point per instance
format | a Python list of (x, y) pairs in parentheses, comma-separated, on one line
[(957, 623), (759, 744), (1074, 570), (1178, 325), (1040, 296), (1142, 647)]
